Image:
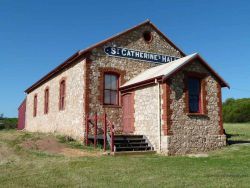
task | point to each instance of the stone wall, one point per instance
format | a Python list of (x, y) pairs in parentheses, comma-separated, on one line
[(146, 114), (194, 133), (98, 59), (70, 120)]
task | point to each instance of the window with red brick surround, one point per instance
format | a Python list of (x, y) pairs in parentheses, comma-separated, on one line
[(46, 101), (195, 93), (111, 89), (35, 106), (114, 72), (62, 95)]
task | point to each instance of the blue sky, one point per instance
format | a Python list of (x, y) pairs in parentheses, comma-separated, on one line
[(36, 36)]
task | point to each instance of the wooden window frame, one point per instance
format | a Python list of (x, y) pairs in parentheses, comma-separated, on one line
[(202, 97), (35, 100), (102, 71), (62, 97), (199, 111), (46, 100), (117, 88)]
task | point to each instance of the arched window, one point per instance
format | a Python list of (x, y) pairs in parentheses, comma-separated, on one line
[(62, 95), (35, 106), (111, 85), (46, 101)]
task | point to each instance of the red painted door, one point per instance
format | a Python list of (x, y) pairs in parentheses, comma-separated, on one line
[(127, 107)]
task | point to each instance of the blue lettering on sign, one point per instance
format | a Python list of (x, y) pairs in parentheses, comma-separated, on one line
[(139, 55)]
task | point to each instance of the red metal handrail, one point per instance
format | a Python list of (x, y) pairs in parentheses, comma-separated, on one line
[(107, 124)]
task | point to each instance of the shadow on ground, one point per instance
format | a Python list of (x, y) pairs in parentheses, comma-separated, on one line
[(231, 142)]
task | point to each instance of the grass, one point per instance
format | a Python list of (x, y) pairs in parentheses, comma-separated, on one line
[(228, 167)]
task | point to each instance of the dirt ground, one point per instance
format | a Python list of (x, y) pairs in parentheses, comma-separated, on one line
[(51, 145)]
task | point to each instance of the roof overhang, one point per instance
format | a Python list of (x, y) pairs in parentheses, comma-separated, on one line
[(164, 77)]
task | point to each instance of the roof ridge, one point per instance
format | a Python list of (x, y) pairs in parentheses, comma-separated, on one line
[(114, 36), (75, 56)]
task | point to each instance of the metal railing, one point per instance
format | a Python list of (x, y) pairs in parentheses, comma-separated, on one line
[(107, 130)]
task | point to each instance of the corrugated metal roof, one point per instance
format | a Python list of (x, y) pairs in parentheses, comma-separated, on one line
[(161, 70)]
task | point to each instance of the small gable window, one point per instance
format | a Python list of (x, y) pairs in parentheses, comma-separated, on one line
[(62, 95), (111, 89), (194, 95), (147, 35)]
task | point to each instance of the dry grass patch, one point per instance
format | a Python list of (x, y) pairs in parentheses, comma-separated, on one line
[(50, 144)]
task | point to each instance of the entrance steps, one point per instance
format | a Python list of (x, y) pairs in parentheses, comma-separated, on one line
[(127, 144), (131, 143), (122, 153)]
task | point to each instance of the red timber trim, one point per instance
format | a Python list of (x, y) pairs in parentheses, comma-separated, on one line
[(142, 84), (203, 62), (87, 65), (63, 79), (133, 109), (221, 131), (46, 100), (203, 93), (60, 68), (129, 30), (35, 100), (103, 70), (83, 52), (166, 111)]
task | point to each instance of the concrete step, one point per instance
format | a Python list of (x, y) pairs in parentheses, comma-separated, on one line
[(123, 153)]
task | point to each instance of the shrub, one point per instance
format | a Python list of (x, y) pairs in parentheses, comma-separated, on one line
[(8, 123), (236, 110)]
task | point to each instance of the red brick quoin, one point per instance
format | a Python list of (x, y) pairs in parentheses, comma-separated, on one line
[(166, 111)]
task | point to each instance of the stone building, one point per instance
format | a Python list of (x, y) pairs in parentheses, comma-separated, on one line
[(144, 84)]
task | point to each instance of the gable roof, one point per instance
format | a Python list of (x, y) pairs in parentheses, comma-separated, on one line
[(166, 70), (83, 52)]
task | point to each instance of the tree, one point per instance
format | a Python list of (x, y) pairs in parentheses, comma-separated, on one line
[(236, 110)]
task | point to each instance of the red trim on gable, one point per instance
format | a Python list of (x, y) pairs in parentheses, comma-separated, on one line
[(167, 39), (81, 53), (55, 71), (197, 56), (129, 30)]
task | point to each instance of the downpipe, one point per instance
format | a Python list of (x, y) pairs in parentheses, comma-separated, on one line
[(159, 112)]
